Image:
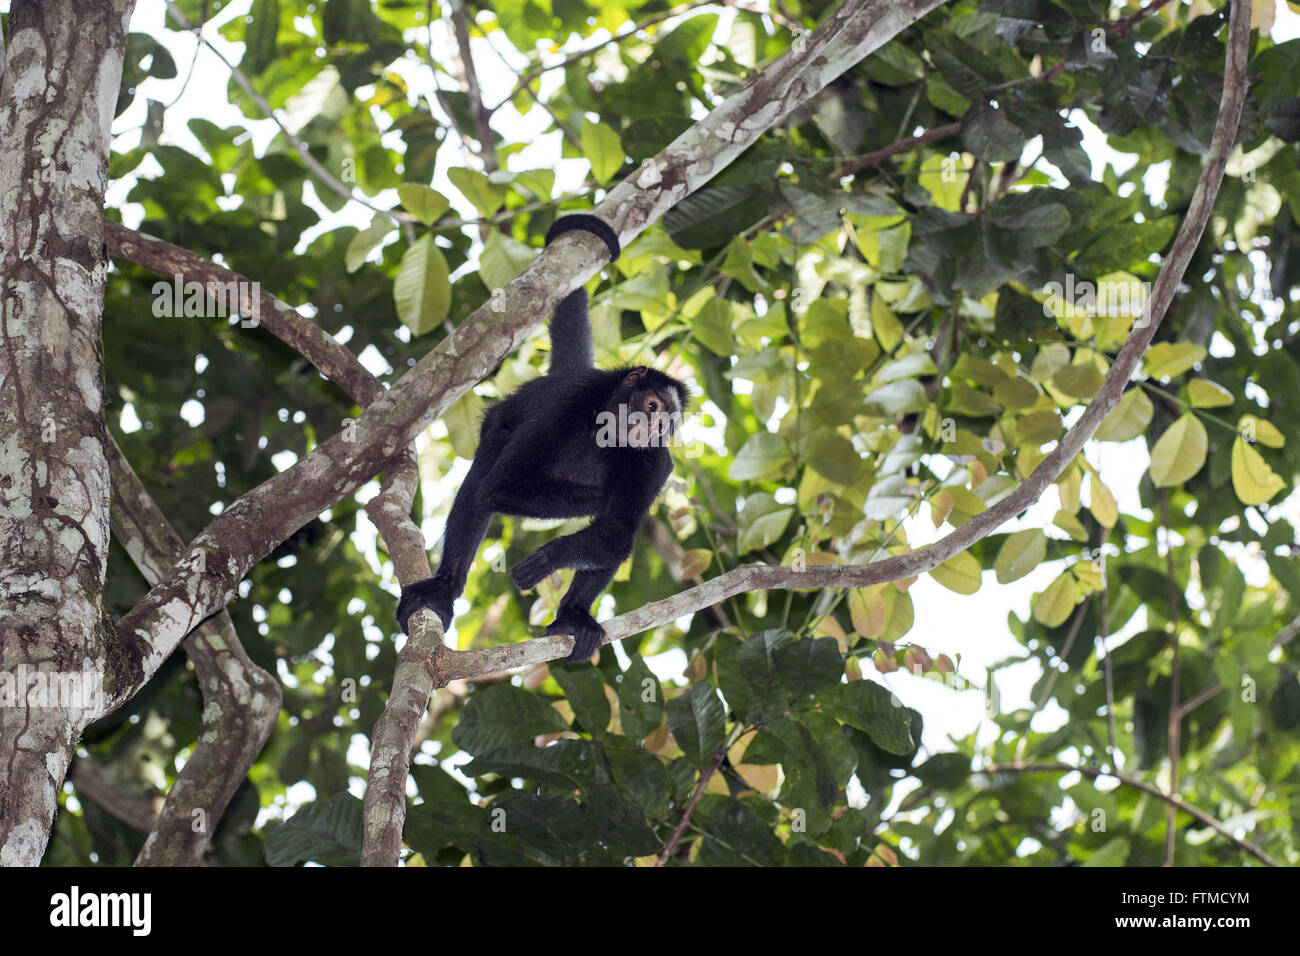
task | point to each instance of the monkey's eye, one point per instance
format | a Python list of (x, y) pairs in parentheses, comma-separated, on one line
[(651, 406)]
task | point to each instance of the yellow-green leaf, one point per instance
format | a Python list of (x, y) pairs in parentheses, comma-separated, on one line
[(867, 610), (1067, 487), (603, 149), (1070, 525), (1020, 553), (1078, 381), (1180, 452), (1252, 479), (1254, 429), (1101, 503), (1128, 419), (960, 573), (1166, 359), (1207, 394), (1058, 599), (366, 240), (884, 323)]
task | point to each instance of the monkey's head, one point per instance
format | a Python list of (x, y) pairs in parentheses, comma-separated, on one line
[(651, 404)]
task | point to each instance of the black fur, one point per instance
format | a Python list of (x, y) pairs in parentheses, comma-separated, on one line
[(539, 456)]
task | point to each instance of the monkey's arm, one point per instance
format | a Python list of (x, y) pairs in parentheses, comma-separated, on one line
[(631, 488)]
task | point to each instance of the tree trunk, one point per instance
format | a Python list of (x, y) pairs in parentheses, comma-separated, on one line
[(56, 107)]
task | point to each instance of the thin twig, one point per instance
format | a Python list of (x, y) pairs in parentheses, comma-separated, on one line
[(1064, 652), (1284, 636), (298, 145), (709, 771), (1123, 26), (899, 146), (1175, 721), (636, 28), (1093, 773), (487, 152), (1102, 628)]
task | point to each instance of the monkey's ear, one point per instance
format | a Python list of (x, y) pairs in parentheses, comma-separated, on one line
[(635, 375)]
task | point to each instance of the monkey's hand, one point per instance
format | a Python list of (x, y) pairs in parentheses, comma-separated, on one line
[(533, 568), (587, 634), (431, 593)]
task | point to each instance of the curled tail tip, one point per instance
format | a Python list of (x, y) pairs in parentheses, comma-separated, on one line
[(583, 222)]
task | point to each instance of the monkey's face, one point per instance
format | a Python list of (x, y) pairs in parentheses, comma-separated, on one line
[(652, 410)]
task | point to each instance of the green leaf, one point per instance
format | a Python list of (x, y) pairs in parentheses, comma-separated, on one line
[(1078, 381), (1128, 419), (503, 258), (603, 149), (833, 456), (909, 366), (1020, 553), (960, 573), (1206, 394), (1102, 503), (261, 26), (697, 721), (1053, 606), (1180, 452), (463, 421), (763, 455), (1254, 429), (584, 688), (423, 203), (320, 832), (712, 327), (500, 715), (762, 522), (366, 240), (905, 395), (1166, 359), (421, 290), (485, 196), (1252, 479), (640, 700), (1070, 525), (875, 711)]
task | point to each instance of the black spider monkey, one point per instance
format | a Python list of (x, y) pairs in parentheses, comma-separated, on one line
[(579, 441)]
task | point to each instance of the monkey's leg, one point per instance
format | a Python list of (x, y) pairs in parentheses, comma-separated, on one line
[(574, 615), (605, 543), (466, 526)]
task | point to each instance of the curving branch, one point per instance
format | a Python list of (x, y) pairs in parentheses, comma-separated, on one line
[(333, 359), (384, 812), (241, 701), (93, 784)]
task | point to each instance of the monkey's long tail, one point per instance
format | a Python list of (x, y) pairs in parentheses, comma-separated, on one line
[(571, 346)]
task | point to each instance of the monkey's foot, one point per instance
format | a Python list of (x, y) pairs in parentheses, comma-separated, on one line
[(530, 570), (431, 593), (587, 634)]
